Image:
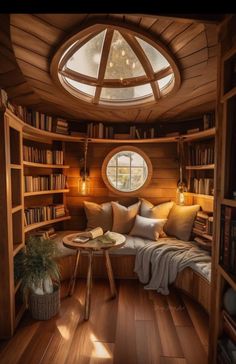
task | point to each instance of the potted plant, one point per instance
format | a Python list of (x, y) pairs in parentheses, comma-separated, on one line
[(40, 278)]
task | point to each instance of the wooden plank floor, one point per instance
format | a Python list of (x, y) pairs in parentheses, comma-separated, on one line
[(138, 327)]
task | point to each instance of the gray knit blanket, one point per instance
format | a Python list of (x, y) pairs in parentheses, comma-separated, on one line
[(157, 264)]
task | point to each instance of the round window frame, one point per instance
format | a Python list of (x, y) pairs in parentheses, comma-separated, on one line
[(132, 149)]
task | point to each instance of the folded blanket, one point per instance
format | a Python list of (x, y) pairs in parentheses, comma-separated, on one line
[(158, 264)]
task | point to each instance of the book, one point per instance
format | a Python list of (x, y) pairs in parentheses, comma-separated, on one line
[(89, 235)]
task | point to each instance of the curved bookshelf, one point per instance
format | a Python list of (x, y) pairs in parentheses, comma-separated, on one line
[(210, 197), (43, 165), (44, 223), (47, 192), (201, 167), (31, 131)]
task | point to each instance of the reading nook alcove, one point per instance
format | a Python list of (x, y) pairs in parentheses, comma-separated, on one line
[(117, 188)]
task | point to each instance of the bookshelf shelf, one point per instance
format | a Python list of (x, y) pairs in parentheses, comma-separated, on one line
[(17, 248), (210, 197), (44, 223), (201, 167), (42, 165), (229, 94), (229, 202), (227, 277), (48, 192), (15, 166), (16, 209), (199, 135)]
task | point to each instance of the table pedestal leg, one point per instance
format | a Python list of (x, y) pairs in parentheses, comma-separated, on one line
[(110, 274), (73, 278), (89, 285)]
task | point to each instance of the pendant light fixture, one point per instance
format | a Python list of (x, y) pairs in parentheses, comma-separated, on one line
[(84, 181)]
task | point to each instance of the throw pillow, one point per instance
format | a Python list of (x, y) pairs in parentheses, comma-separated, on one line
[(124, 217), (98, 215), (147, 228), (160, 211), (180, 221)]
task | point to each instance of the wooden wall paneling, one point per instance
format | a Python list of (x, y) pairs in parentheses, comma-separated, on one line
[(161, 188)]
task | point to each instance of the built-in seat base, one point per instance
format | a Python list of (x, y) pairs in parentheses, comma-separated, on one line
[(189, 280)]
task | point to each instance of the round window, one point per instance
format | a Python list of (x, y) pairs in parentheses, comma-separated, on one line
[(126, 170)]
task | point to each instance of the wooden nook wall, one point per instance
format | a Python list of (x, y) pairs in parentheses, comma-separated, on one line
[(161, 188)]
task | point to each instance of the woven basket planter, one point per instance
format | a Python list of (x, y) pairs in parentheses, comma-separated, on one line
[(43, 307)]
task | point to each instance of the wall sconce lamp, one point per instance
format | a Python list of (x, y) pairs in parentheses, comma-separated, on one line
[(84, 181), (181, 186)]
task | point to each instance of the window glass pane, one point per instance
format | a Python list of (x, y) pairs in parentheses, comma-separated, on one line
[(157, 60), (126, 93), (163, 82), (123, 159), (137, 160), (123, 182), (122, 61), (83, 87), (87, 58), (129, 173)]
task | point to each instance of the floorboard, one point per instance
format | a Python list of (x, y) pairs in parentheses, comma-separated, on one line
[(137, 327)]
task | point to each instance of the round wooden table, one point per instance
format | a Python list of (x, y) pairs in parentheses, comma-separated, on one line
[(91, 246)]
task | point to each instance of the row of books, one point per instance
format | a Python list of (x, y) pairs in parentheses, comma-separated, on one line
[(201, 154), (45, 183), (203, 229), (45, 122), (46, 233), (203, 186), (228, 239), (100, 131), (33, 215), (46, 156)]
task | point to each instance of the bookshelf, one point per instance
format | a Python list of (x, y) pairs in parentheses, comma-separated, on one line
[(12, 214), (46, 158), (223, 321), (200, 163), (45, 183)]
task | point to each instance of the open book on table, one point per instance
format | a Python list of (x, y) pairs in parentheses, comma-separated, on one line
[(97, 235)]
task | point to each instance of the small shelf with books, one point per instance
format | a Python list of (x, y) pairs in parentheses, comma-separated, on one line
[(200, 165), (203, 229), (227, 250), (44, 223)]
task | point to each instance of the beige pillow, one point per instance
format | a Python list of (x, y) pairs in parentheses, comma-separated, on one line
[(124, 217), (180, 221), (98, 215), (147, 228), (160, 211)]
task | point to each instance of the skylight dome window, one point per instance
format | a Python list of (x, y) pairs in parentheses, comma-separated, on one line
[(111, 65)]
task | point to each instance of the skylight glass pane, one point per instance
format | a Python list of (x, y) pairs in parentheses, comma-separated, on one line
[(126, 93), (87, 59), (157, 60), (163, 82), (122, 62), (83, 87)]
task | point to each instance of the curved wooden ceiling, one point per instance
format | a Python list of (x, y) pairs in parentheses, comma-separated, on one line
[(35, 39)]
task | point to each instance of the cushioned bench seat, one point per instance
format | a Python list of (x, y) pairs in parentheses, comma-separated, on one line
[(131, 246)]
